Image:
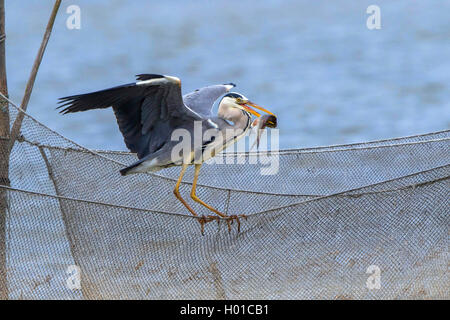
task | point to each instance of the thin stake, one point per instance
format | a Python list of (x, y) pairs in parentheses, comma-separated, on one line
[(37, 62)]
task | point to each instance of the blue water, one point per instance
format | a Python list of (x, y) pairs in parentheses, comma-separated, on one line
[(315, 64)]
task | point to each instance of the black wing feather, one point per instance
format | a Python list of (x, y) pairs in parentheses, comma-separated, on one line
[(148, 76), (146, 113), (98, 99)]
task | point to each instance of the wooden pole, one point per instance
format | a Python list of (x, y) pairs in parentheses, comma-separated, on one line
[(4, 155), (29, 88)]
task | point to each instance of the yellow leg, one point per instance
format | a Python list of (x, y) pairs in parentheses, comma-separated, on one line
[(194, 196), (176, 191)]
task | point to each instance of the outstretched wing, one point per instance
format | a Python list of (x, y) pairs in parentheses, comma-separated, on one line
[(202, 100), (146, 111)]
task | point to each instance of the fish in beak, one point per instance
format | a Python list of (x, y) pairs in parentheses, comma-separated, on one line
[(260, 124)]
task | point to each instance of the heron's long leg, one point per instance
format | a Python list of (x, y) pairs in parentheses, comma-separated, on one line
[(229, 219), (176, 191), (194, 196)]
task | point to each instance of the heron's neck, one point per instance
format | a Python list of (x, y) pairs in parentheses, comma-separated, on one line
[(240, 119), (243, 122)]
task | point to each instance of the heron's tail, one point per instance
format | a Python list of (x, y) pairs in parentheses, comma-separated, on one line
[(124, 171), (146, 164), (131, 169)]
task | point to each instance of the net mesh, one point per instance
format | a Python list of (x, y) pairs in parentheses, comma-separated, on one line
[(358, 221)]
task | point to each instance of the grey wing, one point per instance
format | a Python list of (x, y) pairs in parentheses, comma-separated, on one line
[(146, 111), (202, 100)]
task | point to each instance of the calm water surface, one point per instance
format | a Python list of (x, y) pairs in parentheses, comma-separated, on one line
[(329, 79)]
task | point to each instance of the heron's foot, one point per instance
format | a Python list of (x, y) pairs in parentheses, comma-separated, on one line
[(205, 219), (228, 219), (235, 217)]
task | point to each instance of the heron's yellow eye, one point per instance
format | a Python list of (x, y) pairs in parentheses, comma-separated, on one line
[(239, 100)]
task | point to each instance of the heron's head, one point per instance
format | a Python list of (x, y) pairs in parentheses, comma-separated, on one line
[(233, 103)]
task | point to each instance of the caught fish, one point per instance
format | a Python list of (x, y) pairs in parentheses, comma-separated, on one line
[(261, 123)]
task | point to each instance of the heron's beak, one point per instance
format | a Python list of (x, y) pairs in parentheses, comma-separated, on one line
[(246, 107), (254, 105)]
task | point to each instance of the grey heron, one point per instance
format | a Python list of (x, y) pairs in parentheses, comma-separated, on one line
[(149, 112)]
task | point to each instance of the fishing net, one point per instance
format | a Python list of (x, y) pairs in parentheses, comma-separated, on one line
[(358, 221)]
